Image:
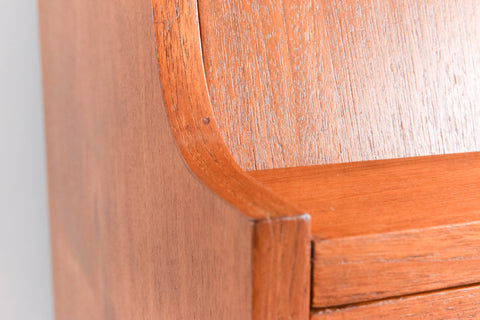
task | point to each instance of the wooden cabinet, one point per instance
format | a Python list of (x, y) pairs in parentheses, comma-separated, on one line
[(263, 159)]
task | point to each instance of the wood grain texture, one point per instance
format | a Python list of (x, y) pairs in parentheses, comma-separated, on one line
[(193, 122), (281, 247), (128, 221), (134, 234), (316, 82), (390, 227), (281, 269), (393, 264), (355, 199), (461, 303)]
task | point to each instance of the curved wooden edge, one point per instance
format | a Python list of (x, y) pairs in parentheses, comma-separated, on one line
[(191, 114), (281, 244)]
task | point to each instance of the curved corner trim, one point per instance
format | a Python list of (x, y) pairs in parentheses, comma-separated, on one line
[(191, 116)]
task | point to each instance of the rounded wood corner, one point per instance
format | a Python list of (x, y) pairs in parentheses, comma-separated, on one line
[(191, 116)]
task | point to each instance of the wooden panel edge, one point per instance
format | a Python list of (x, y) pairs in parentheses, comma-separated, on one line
[(376, 266), (191, 115), (281, 268), (454, 303), (282, 231)]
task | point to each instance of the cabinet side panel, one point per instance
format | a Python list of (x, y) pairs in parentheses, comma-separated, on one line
[(134, 234)]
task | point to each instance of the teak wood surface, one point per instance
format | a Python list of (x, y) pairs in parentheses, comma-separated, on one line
[(296, 83), (387, 228), (458, 303), (134, 234), (151, 121)]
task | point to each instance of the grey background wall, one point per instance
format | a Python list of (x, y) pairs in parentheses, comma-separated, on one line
[(25, 280)]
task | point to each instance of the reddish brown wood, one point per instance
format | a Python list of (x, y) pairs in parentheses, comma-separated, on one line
[(281, 269), (381, 196), (281, 257), (192, 119), (388, 228), (461, 303), (297, 83), (134, 233), (376, 266)]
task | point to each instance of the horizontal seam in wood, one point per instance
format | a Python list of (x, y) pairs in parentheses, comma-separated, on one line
[(391, 299)]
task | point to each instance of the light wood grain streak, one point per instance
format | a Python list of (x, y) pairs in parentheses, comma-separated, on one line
[(459, 303), (390, 227), (315, 82)]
